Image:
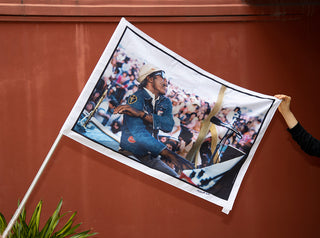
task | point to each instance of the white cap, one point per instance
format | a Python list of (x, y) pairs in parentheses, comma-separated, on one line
[(146, 70)]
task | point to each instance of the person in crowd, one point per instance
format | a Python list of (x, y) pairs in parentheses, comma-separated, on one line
[(122, 78), (105, 111), (130, 82), (131, 90), (115, 127), (90, 106), (306, 141), (119, 93), (246, 141), (146, 112), (96, 96)]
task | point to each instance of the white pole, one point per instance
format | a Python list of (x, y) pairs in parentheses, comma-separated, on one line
[(33, 184)]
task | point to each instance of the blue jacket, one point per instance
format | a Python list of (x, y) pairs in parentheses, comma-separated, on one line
[(138, 136)]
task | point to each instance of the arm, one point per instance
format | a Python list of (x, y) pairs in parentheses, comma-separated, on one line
[(102, 112), (131, 111), (306, 141), (284, 109), (176, 130)]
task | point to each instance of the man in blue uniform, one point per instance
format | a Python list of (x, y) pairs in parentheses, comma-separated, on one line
[(147, 111)]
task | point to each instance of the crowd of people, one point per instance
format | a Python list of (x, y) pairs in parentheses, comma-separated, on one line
[(119, 81)]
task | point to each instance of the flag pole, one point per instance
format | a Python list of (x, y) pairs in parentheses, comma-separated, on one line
[(33, 184)]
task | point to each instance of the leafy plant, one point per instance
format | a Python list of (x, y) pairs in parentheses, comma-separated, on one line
[(23, 230)]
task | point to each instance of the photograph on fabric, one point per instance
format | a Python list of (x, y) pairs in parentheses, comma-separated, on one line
[(151, 107)]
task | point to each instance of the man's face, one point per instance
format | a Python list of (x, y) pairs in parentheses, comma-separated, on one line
[(160, 84)]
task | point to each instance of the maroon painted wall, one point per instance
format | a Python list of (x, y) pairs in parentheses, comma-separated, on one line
[(45, 62)]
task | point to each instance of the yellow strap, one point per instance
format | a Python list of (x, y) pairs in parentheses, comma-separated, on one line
[(214, 142), (205, 124), (96, 107)]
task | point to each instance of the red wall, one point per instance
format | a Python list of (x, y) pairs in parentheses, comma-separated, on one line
[(45, 62)]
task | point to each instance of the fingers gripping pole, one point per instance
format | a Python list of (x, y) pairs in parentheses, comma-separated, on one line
[(33, 184)]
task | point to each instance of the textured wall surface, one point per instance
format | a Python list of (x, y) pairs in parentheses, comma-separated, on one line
[(46, 60)]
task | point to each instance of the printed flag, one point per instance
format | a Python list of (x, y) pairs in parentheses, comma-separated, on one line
[(151, 109)]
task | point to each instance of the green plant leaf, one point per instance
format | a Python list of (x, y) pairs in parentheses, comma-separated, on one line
[(69, 232), (20, 228), (83, 234), (35, 221), (3, 223), (51, 223), (23, 230), (65, 230)]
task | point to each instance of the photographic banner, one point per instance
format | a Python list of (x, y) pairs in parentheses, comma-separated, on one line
[(151, 109)]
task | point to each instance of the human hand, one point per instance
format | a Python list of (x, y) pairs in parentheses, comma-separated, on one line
[(127, 109), (284, 106), (284, 109)]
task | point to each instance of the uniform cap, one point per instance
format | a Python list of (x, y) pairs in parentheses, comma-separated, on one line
[(146, 70)]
